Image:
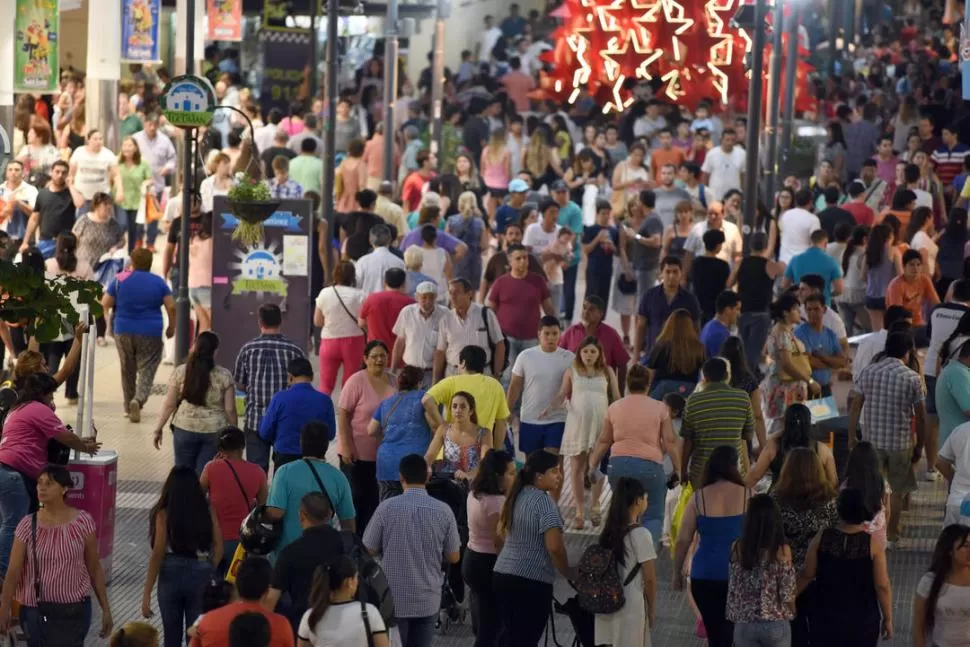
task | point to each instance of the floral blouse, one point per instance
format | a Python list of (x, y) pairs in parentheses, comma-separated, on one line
[(801, 526), (762, 594)]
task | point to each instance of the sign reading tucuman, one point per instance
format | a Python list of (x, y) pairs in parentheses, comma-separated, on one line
[(188, 101)]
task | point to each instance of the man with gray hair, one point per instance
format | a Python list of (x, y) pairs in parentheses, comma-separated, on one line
[(372, 266)]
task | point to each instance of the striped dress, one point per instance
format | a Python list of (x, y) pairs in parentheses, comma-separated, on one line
[(60, 550), (716, 415)]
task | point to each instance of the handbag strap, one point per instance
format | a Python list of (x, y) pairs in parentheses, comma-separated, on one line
[(367, 629), (319, 481), (235, 475), (33, 548), (387, 418), (636, 567), (346, 309)]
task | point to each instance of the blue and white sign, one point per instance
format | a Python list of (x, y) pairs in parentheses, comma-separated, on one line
[(188, 101), (139, 31)]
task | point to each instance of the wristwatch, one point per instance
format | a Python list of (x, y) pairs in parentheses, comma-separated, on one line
[(637, 237)]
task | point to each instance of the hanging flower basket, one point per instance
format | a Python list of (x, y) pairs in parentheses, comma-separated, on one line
[(252, 203)]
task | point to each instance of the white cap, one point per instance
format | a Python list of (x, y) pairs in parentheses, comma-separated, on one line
[(426, 287)]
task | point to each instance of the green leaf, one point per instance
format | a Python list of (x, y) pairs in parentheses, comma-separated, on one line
[(44, 305)]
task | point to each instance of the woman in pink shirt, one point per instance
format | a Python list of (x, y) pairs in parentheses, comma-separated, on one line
[(638, 432), (496, 166)]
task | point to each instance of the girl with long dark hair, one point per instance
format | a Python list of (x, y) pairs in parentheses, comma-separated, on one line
[(461, 443), (863, 472), (796, 433), (881, 263), (952, 243), (942, 603), (532, 551), (633, 553), (486, 496), (742, 377), (336, 616), (201, 401), (186, 546), (761, 578), (853, 297)]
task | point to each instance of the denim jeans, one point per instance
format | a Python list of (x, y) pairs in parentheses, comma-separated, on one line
[(775, 633), (54, 352), (569, 292), (516, 346), (257, 450), (663, 387), (851, 314), (14, 506), (194, 449), (30, 622), (181, 581), (555, 295), (654, 481), (416, 632), (753, 328), (646, 279)]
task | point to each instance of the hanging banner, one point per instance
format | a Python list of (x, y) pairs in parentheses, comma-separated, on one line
[(225, 20), (286, 55), (139, 31), (37, 53)]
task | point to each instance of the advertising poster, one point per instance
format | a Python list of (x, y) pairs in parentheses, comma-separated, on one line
[(37, 51), (139, 31), (286, 55), (225, 20)]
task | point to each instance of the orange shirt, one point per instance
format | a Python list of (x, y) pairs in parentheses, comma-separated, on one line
[(912, 295), (660, 158), (411, 191), (213, 628), (902, 216)]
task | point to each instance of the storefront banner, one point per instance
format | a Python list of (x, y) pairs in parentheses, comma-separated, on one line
[(139, 31), (225, 20), (286, 55), (37, 53)]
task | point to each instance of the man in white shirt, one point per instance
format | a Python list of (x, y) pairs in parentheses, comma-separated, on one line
[(875, 342), (911, 175), (723, 167), (537, 377), (417, 329), (539, 234), (265, 135), (372, 266), (17, 199), (796, 226), (490, 36), (94, 169), (733, 245), (467, 324)]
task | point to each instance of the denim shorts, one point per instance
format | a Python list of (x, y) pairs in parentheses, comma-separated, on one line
[(876, 303), (201, 297), (533, 437)]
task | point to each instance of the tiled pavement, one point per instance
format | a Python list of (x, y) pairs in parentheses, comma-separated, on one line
[(142, 470)]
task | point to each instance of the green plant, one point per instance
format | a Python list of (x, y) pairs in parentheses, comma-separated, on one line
[(249, 192), (44, 305)]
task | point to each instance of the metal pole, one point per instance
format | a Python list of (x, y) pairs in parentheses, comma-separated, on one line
[(754, 117), (438, 75), (182, 306), (329, 135), (791, 67), (849, 27), (774, 100), (834, 29), (390, 86), (82, 382)]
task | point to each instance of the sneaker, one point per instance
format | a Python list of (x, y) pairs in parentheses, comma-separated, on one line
[(72, 402), (699, 629), (134, 411), (932, 475)]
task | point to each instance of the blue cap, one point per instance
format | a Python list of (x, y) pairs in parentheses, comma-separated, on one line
[(518, 186)]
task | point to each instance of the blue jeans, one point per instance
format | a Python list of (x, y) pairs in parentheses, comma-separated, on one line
[(181, 581), (851, 313), (775, 633), (416, 632), (654, 481), (555, 295), (14, 506), (194, 449), (257, 450), (663, 387), (753, 327), (516, 346), (30, 622)]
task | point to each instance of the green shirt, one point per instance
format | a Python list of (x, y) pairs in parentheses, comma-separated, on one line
[(717, 415), (307, 171), (952, 397), (129, 126), (132, 178)]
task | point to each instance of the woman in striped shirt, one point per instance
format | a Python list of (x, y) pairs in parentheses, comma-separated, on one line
[(66, 553)]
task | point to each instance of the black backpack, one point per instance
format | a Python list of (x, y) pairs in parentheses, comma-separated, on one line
[(491, 346), (373, 587), (598, 583)]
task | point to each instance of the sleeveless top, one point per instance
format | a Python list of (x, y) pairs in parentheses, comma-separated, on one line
[(677, 246), (879, 278), (461, 458), (754, 284), (717, 534)]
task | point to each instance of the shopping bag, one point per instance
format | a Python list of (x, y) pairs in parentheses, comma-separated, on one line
[(237, 559), (686, 492), (153, 211)]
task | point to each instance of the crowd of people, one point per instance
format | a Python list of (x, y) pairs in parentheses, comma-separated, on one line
[(484, 403)]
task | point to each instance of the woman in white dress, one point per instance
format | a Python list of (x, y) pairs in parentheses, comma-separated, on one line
[(588, 387), (634, 555), (922, 237)]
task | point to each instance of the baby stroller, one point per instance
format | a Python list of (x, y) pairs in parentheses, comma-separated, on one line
[(453, 493)]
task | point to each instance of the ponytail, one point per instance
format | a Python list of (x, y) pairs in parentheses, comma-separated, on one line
[(65, 252), (963, 328), (536, 464), (326, 579)]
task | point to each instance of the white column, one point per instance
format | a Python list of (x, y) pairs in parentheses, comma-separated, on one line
[(181, 7), (6, 66), (104, 68)]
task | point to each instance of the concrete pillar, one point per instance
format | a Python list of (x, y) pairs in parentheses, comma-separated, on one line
[(104, 69), (199, 33), (6, 66)]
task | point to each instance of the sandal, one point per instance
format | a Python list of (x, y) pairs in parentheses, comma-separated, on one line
[(594, 515), (578, 523)]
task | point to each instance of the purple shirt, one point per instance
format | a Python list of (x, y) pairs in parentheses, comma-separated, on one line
[(444, 240), (886, 169), (656, 309)]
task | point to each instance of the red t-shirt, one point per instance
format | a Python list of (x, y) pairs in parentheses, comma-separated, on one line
[(517, 304), (861, 212), (228, 502), (213, 629), (615, 353), (411, 191), (380, 311)]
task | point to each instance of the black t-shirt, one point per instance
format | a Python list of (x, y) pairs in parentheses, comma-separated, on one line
[(754, 284), (659, 362), (832, 217), (293, 573), (57, 212), (272, 152), (195, 227), (710, 278), (475, 132)]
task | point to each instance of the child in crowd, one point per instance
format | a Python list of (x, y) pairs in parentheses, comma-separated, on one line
[(556, 256), (599, 245)]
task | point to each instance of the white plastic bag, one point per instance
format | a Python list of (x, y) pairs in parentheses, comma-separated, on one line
[(590, 195)]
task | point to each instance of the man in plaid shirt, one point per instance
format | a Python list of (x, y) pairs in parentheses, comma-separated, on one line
[(260, 371), (281, 186), (894, 398)]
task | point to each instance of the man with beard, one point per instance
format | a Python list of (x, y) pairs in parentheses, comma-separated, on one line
[(55, 208), (499, 263)]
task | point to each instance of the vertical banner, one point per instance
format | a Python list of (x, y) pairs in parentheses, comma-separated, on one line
[(139, 31), (225, 20), (286, 55), (37, 54), (965, 54)]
